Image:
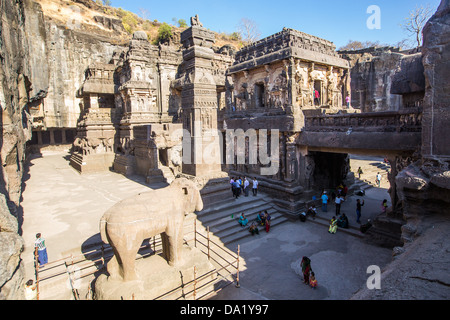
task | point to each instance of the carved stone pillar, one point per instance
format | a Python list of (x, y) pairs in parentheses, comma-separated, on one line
[(291, 163), (291, 173), (52, 136), (39, 137), (199, 104), (63, 136)]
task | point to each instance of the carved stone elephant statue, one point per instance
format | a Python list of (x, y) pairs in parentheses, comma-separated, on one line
[(126, 224)]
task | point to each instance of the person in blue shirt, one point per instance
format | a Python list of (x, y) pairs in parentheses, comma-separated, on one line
[(260, 218), (324, 201)]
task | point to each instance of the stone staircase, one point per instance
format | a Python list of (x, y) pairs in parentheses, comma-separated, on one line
[(163, 174), (222, 218), (364, 182), (360, 184)]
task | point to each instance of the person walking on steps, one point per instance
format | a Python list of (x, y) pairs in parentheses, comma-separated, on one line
[(360, 172)]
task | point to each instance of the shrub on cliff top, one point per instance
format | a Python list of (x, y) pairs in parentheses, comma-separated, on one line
[(164, 33)]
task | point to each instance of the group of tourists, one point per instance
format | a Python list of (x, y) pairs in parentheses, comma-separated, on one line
[(377, 177), (239, 186), (312, 211), (262, 219), (338, 196), (41, 259)]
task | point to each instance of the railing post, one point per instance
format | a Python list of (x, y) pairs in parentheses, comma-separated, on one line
[(237, 267), (195, 282), (209, 257), (195, 233)]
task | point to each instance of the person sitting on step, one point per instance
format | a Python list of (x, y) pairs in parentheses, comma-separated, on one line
[(253, 229), (260, 218), (243, 220)]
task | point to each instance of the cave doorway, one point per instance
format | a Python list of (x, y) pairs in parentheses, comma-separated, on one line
[(330, 169), (317, 95)]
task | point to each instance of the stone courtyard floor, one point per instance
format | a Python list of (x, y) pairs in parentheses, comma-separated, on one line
[(66, 208)]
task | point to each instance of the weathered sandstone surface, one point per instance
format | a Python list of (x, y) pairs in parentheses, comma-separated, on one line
[(37, 57), (420, 268)]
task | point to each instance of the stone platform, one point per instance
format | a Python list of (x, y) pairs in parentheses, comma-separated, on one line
[(157, 277)]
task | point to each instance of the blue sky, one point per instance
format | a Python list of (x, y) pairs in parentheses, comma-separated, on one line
[(336, 20)]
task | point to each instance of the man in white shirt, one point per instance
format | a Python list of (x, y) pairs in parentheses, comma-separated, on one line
[(255, 187), (246, 184), (378, 179), (338, 201)]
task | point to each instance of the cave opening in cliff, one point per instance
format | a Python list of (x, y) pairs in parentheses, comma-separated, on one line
[(330, 169), (259, 95)]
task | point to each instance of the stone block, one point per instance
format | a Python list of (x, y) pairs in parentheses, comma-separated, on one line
[(157, 277)]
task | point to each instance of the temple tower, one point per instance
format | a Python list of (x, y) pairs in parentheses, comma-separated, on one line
[(201, 145)]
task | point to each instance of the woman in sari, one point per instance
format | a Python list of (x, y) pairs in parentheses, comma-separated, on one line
[(333, 225), (243, 220), (260, 218), (267, 218), (306, 269)]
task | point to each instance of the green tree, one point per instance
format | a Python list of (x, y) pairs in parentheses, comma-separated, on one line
[(182, 23), (358, 45), (164, 33), (129, 21), (236, 36)]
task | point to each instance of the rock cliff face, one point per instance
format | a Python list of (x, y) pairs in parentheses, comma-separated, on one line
[(15, 75), (420, 268), (67, 47), (42, 65), (371, 75), (69, 53)]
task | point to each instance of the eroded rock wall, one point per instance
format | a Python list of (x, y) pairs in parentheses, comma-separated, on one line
[(420, 268), (371, 79), (15, 88), (42, 64), (69, 53)]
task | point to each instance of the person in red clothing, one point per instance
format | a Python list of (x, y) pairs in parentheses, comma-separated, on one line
[(316, 97), (305, 264), (267, 220)]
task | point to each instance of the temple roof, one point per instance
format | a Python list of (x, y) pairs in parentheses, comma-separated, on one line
[(284, 45)]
